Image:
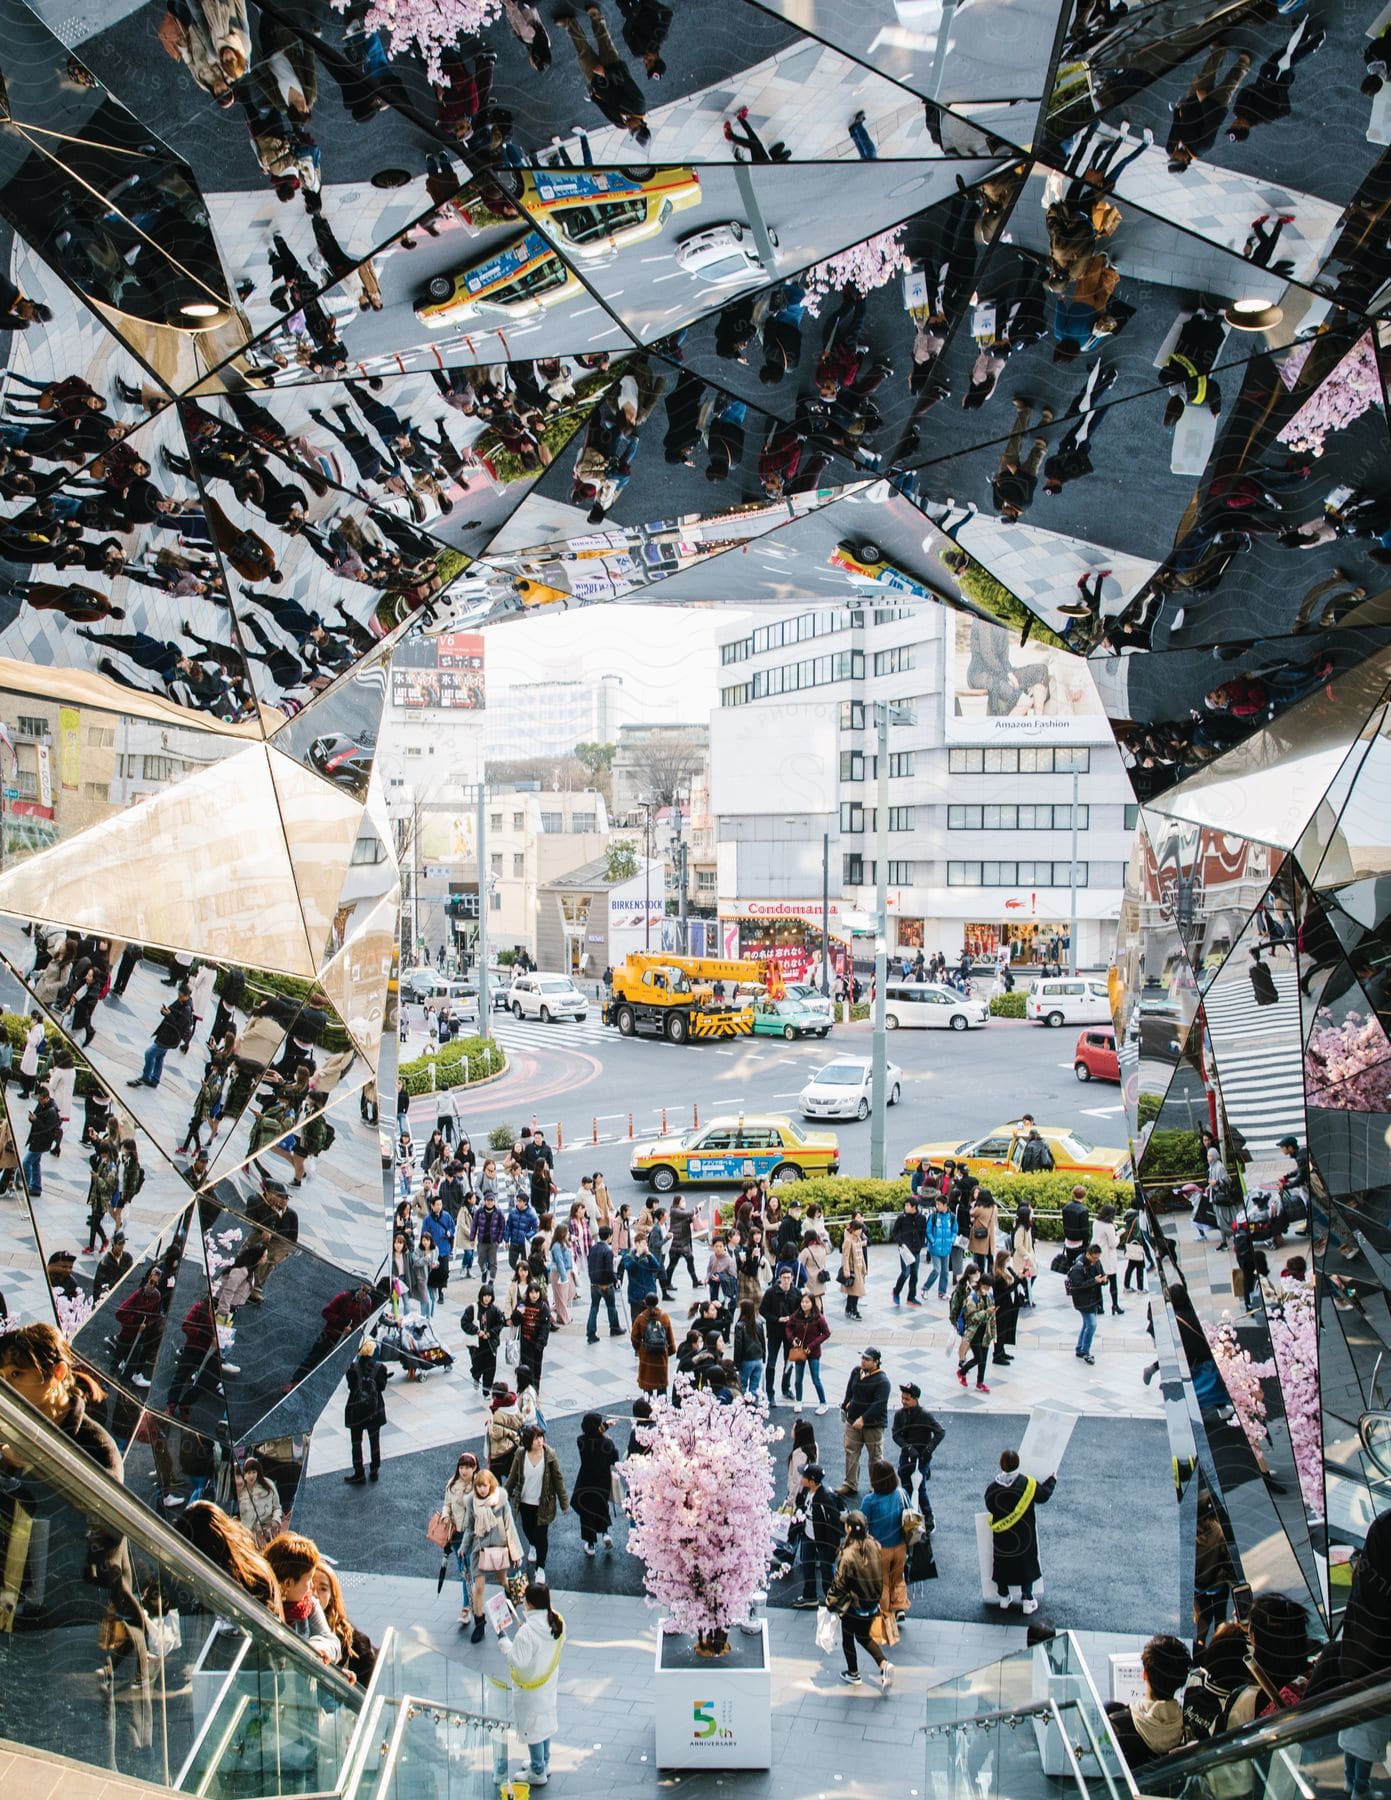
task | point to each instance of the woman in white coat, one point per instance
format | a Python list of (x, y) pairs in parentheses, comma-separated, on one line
[(533, 1655), (29, 1061)]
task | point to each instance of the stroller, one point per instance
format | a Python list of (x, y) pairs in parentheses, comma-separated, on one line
[(411, 1341)]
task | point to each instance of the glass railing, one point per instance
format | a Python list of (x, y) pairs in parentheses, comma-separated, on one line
[(1024, 1727), (1293, 1755), (123, 1648), (1033, 1725), (432, 1726)]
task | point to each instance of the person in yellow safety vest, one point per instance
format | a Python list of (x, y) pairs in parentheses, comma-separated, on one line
[(533, 1667), (1188, 367), (1011, 1500)]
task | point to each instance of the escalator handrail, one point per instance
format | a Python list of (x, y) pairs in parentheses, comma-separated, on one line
[(1349, 1705), (91, 1492)]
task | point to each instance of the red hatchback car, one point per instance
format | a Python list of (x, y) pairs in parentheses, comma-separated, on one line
[(1095, 1059)]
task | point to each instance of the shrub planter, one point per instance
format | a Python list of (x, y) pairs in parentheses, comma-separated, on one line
[(714, 1711)]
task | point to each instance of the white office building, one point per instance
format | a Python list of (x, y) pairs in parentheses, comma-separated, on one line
[(548, 718), (980, 784)]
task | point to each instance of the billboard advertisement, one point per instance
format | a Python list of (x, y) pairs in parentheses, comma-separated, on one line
[(444, 672), (637, 908), (999, 691)]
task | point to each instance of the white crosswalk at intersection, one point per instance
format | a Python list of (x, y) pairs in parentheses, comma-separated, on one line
[(1259, 1055)]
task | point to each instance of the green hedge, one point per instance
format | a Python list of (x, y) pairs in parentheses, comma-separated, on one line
[(1009, 1006), (1173, 1156), (458, 1063), (841, 1195), (846, 1013)]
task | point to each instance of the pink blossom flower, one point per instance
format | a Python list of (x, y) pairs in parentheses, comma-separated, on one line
[(865, 266), (1347, 1065), (1350, 390), (701, 1501), (428, 27)]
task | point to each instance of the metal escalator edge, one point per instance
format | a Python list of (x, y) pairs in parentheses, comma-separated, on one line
[(1345, 1706), (92, 1492)]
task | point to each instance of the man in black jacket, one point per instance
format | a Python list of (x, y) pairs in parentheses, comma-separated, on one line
[(1086, 1285), (603, 1280), (175, 1024), (910, 1234), (818, 1521), (1077, 1223), (917, 1435), (865, 1410), (681, 1247), (45, 1128), (1037, 1157), (789, 1239), (780, 1300)]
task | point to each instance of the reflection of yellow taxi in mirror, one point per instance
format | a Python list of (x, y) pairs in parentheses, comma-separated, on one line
[(867, 562), (1001, 1151), (597, 211), (518, 280)]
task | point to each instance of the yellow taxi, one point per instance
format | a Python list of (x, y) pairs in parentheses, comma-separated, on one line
[(1000, 1152), (594, 212), (726, 1151), (521, 278)]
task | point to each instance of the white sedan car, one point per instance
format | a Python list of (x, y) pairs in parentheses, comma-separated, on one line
[(722, 254), (546, 997), (844, 1089)]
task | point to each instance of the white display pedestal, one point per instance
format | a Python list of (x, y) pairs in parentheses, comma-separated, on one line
[(714, 1714)]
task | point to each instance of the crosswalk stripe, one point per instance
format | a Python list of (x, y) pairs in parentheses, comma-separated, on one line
[(1258, 1052)]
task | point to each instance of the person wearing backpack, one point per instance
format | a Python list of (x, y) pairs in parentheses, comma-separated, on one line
[(654, 1341), (1086, 1286), (1037, 1158)]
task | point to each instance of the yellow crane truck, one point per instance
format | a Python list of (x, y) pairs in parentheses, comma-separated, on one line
[(679, 997)]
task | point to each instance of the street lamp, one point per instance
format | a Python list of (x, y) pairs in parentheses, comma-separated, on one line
[(885, 714)]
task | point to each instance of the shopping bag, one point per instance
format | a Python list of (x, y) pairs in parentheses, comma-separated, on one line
[(512, 1348), (164, 1633), (827, 1629), (884, 1630), (921, 1564)]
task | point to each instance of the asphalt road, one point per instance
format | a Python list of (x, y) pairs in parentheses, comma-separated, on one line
[(955, 1086)]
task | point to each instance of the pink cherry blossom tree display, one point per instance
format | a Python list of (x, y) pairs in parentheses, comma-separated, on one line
[(428, 27), (1347, 1062), (865, 266), (701, 1501), (1294, 1340), (1352, 389)]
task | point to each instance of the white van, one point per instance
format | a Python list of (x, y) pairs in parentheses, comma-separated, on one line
[(1069, 1000), (923, 1005)]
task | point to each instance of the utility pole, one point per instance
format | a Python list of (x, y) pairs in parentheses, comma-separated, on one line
[(880, 1060), (1072, 958), (682, 906), (646, 806), (825, 914), (481, 837)]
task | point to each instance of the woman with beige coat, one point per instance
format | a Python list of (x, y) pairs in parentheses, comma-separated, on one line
[(854, 1265)]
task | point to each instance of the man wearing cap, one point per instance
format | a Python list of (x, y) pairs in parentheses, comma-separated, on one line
[(917, 1434), (113, 1266), (271, 1210), (817, 1521), (865, 1410)]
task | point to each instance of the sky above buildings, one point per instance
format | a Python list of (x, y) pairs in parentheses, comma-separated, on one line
[(666, 655)]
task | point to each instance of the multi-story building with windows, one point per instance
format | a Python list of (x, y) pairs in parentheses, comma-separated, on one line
[(981, 783)]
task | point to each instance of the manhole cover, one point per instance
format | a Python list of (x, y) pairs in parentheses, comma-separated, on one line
[(391, 178)]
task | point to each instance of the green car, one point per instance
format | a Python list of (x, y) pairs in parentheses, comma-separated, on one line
[(788, 1019)]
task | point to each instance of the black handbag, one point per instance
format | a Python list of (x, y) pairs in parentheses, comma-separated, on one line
[(1060, 1263), (921, 1564)]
